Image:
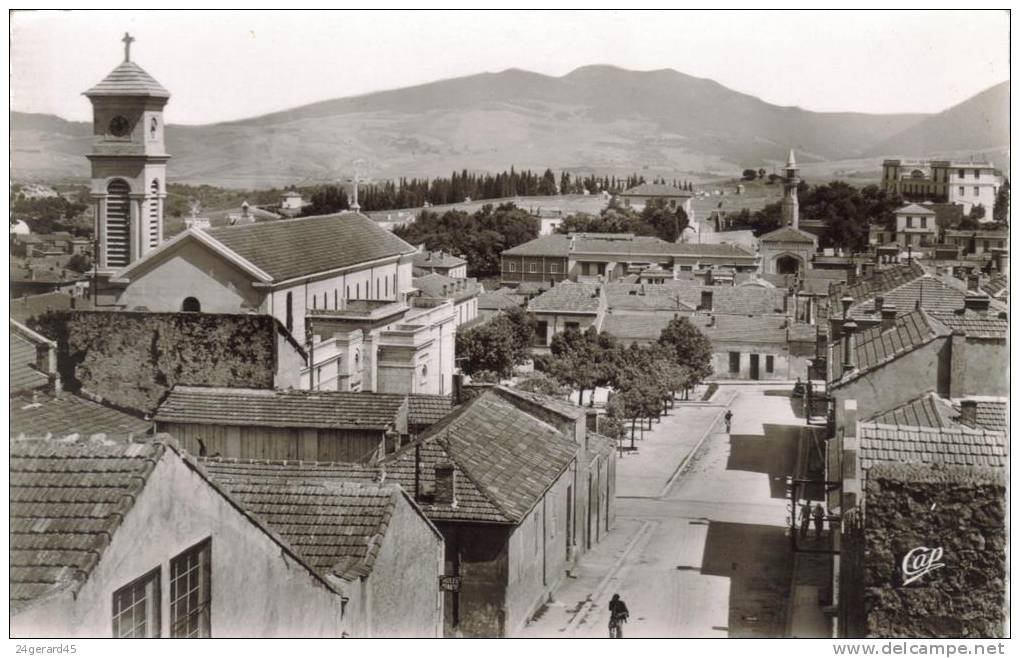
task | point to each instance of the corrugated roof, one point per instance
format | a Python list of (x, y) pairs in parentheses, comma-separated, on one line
[(67, 501), (128, 79), (291, 248), (337, 524), (279, 408), (67, 414), (928, 445)]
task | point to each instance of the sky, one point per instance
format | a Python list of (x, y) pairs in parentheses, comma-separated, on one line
[(221, 66)]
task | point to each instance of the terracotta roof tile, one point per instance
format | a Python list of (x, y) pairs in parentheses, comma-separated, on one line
[(959, 446), (128, 79), (67, 414), (278, 408), (425, 410), (877, 346), (291, 248), (429, 259), (440, 285), (789, 234), (568, 297), (24, 376)]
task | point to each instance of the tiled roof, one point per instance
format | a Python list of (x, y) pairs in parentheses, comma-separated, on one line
[(789, 234), (429, 259), (562, 407), (128, 79), (928, 410), (928, 445), (568, 297), (624, 246), (914, 209), (980, 234), (991, 414), (456, 289), (67, 414), (29, 306), (67, 500), (425, 410), (876, 284), (877, 346), (997, 286), (718, 328), (975, 325), (278, 408), (24, 375), (290, 248), (648, 297), (656, 189), (932, 293), (511, 456), (497, 300), (599, 445), (337, 525)]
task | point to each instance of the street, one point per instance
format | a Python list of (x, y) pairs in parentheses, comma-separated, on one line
[(702, 552)]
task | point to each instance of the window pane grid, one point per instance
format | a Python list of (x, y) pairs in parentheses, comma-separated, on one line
[(189, 593), (136, 608)]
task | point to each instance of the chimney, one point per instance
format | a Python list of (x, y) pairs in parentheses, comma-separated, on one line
[(849, 346), (974, 282), (706, 301), (458, 388), (976, 301), (879, 300), (1003, 262), (888, 316), (957, 364), (968, 412), (446, 482)]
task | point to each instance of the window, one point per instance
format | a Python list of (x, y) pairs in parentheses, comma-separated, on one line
[(962, 193), (734, 361), (769, 362), (377, 288), (424, 372), (357, 291), (136, 607), (977, 191), (290, 313), (315, 302), (511, 266), (960, 173), (347, 294), (335, 305), (190, 594), (554, 268), (532, 267), (910, 222), (387, 286), (924, 222), (977, 173), (394, 284), (191, 305)]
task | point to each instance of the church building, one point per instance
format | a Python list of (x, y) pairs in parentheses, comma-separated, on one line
[(788, 249), (340, 284)]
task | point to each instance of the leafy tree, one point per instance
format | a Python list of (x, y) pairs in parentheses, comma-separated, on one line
[(977, 213), (749, 174), (326, 200), (761, 173), (689, 348), (497, 345), (485, 377), (547, 186), (79, 263), (1000, 212), (665, 222), (540, 382), (575, 359)]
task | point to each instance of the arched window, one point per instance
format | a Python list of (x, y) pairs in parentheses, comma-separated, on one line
[(290, 312), (118, 223), (191, 305), (424, 371)]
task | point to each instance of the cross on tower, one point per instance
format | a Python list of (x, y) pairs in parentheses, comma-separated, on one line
[(356, 179), (127, 46)]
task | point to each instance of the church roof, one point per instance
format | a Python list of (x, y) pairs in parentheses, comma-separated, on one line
[(788, 234), (128, 79), (291, 248)]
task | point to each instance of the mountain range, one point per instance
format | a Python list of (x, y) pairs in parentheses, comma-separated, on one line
[(594, 119)]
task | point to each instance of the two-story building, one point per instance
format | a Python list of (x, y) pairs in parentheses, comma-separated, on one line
[(943, 181), (916, 227), (671, 197)]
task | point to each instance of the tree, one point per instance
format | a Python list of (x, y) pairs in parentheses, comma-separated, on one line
[(540, 382), (497, 345), (761, 173), (666, 223), (977, 213), (79, 263), (574, 359), (689, 347), (327, 200), (749, 174), (547, 186), (1000, 212)]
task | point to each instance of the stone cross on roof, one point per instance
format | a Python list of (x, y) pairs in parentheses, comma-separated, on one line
[(127, 46)]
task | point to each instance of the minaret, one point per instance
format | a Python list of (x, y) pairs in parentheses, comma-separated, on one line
[(128, 163), (791, 208)]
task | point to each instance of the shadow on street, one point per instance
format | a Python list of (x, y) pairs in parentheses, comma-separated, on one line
[(774, 453)]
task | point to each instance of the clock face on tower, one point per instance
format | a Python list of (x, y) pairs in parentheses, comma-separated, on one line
[(119, 126)]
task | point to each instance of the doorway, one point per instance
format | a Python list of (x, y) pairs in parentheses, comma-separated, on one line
[(754, 365)]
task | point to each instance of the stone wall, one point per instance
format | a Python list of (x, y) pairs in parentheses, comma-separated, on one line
[(958, 510), (133, 359)]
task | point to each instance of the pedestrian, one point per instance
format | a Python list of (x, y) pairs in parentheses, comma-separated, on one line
[(819, 519), (805, 519), (729, 420), (618, 614)]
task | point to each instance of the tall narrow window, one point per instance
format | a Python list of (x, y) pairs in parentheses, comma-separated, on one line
[(386, 286), (394, 284), (190, 592), (118, 224), (357, 291), (289, 323), (136, 607), (335, 296), (377, 288), (153, 204)]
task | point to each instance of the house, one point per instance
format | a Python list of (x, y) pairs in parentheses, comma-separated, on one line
[(671, 197), (462, 292), (519, 489), (131, 360), (943, 181), (291, 201), (915, 227), (248, 423), (440, 262), (977, 241), (590, 257), (566, 306), (491, 303), (128, 539), (318, 276)]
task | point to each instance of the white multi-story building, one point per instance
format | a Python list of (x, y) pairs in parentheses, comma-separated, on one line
[(943, 181), (915, 226)]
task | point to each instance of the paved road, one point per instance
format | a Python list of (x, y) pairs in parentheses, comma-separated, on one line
[(709, 557)]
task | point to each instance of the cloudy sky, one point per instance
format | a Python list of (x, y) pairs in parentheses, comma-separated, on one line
[(231, 65)]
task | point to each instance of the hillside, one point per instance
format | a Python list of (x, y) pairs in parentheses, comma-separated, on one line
[(596, 118), (979, 124)]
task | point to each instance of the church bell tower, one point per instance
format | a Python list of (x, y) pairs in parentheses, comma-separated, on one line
[(791, 179), (128, 161)]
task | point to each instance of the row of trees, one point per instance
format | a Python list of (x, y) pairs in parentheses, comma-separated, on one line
[(480, 236), (655, 219)]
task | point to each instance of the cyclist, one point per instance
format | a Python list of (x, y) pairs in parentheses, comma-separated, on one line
[(618, 614)]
